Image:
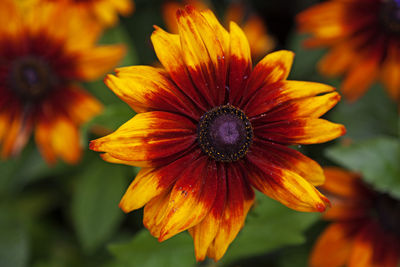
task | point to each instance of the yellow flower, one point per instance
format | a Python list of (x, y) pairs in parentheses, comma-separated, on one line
[(44, 52), (364, 41), (211, 128)]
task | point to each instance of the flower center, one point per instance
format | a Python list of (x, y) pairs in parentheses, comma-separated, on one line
[(388, 211), (389, 15), (31, 78), (225, 133)]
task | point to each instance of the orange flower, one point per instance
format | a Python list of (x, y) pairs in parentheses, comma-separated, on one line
[(104, 12), (253, 26), (211, 128), (364, 38), (43, 53), (365, 231)]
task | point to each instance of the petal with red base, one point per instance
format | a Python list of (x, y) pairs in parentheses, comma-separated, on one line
[(239, 63), (150, 182), (239, 199), (276, 94), (204, 233), (284, 185), (312, 107), (168, 49), (191, 198), (146, 88), (299, 131), (203, 54), (273, 68), (149, 139), (290, 159)]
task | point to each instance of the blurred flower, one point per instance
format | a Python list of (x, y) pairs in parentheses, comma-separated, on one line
[(210, 128), (365, 231), (252, 25), (364, 37), (43, 53), (104, 12)]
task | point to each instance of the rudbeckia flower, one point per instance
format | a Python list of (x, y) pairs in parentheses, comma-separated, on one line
[(104, 12), (364, 41), (44, 52), (365, 227), (253, 26), (210, 128)]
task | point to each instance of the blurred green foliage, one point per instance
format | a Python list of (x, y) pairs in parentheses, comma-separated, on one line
[(64, 215)]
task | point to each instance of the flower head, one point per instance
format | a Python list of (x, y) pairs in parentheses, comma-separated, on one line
[(43, 53), (211, 128), (364, 38), (365, 227)]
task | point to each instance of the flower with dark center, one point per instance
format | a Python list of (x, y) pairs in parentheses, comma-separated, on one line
[(364, 41), (365, 227), (40, 67), (210, 128)]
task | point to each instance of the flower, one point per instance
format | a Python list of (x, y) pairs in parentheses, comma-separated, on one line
[(44, 52), (210, 128), (365, 231), (252, 25), (364, 41), (104, 12)]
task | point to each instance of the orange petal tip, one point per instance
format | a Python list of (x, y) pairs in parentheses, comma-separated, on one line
[(320, 207), (92, 145)]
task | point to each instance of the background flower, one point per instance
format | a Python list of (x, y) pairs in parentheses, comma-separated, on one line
[(365, 224), (364, 42), (44, 53)]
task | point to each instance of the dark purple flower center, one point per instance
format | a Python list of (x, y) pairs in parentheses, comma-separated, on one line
[(225, 133), (389, 15), (31, 78), (388, 213)]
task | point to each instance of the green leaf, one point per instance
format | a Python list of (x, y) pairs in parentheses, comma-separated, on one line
[(374, 114), (95, 211), (305, 61), (269, 226), (14, 247), (27, 168), (145, 251), (378, 160)]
